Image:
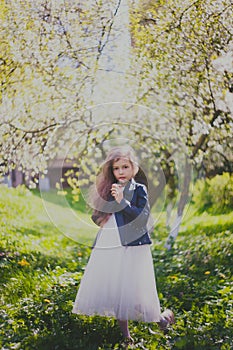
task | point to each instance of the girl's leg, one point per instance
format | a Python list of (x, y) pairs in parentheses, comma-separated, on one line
[(125, 331), (124, 328)]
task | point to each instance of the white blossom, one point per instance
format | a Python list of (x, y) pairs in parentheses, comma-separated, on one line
[(224, 62)]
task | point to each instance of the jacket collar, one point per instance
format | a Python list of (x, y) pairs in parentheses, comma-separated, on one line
[(130, 186)]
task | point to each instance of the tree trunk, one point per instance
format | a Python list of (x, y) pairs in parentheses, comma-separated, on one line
[(181, 205), (168, 215)]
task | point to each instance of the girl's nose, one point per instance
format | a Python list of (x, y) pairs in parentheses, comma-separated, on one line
[(121, 171)]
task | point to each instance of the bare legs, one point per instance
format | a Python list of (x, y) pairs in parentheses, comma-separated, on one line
[(124, 328), (125, 331), (167, 318)]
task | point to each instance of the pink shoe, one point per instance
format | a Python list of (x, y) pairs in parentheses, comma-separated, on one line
[(167, 318)]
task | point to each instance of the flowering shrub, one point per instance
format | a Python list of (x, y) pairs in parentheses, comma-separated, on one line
[(214, 195)]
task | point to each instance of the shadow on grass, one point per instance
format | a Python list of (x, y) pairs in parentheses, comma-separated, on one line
[(38, 260), (65, 201), (209, 229), (80, 334)]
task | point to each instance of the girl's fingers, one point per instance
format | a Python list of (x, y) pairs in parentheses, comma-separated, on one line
[(116, 191)]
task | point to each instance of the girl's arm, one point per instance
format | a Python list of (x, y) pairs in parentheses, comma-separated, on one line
[(141, 210)]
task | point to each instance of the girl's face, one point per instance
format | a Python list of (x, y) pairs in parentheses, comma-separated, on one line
[(122, 170)]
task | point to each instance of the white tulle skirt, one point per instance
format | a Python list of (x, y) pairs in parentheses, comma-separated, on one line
[(118, 281)]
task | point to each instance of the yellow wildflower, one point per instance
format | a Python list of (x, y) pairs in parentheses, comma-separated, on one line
[(23, 262), (174, 277)]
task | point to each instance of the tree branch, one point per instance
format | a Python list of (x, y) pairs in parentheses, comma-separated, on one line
[(34, 131), (203, 137), (101, 45)]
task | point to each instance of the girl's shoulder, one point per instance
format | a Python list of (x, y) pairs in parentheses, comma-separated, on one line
[(138, 185)]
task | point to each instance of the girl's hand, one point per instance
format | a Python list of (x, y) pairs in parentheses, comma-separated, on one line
[(117, 192)]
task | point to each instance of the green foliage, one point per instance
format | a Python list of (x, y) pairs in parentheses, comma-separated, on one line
[(40, 281), (214, 195)]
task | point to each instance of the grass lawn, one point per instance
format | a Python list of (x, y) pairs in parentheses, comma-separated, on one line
[(45, 245)]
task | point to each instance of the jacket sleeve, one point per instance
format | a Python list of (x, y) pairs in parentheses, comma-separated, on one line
[(112, 206), (141, 210), (109, 207)]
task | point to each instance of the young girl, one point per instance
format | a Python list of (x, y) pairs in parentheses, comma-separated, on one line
[(119, 278)]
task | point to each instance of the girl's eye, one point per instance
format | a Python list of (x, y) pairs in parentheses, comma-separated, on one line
[(115, 168), (126, 166)]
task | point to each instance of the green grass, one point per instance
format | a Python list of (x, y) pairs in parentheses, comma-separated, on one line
[(42, 262)]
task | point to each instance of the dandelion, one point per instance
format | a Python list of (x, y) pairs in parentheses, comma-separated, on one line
[(207, 272), (174, 277), (47, 301), (23, 262)]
